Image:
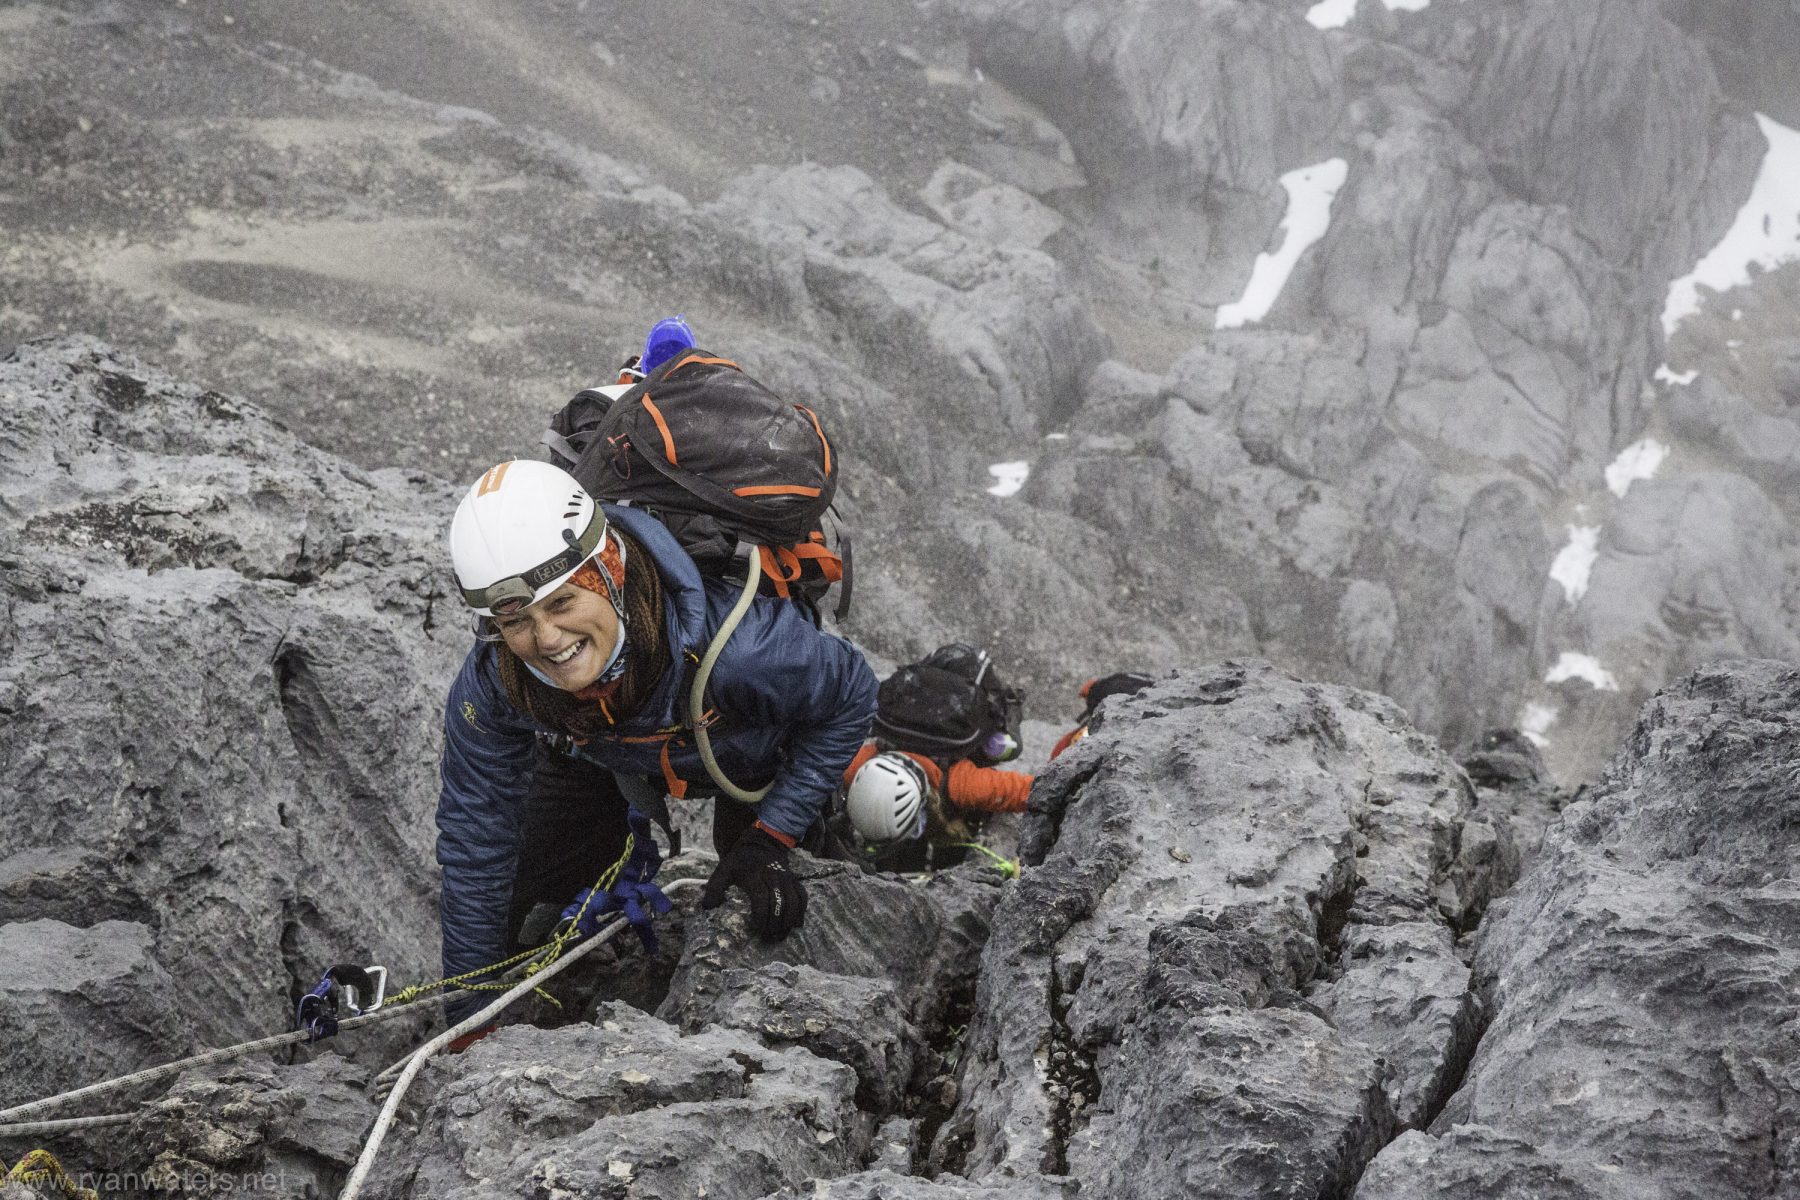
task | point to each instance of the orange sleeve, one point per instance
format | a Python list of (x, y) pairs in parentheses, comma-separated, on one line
[(856, 764), (988, 789), (934, 775), (1068, 739)]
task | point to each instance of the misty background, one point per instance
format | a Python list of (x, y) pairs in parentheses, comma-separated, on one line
[(1444, 349)]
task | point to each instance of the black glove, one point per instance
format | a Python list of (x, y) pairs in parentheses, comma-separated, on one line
[(757, 863)]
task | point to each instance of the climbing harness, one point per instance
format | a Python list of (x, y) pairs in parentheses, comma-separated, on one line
[(39, 1169)]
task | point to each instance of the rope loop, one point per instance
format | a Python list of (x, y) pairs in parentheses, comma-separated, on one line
[(39, 1169)]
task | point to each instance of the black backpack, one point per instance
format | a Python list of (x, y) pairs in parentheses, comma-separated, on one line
[(1121, 683), (947, 705), (719, 459)]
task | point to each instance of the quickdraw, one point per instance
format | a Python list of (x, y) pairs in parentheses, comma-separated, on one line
[(346, 985)]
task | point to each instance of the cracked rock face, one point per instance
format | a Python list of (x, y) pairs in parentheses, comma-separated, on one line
[(219, 701), (868, 981), (1229, 968), (1640, 977)]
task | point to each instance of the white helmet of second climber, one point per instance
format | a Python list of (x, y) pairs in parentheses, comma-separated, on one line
[(886, 801), (520, 532)]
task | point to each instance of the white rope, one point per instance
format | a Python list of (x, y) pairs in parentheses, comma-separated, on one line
[(69, 1125), (415, 1062), (198, 1060)]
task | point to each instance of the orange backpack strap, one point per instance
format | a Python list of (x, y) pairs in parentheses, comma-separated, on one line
[(781, 565), (676, 784), (830, 565)]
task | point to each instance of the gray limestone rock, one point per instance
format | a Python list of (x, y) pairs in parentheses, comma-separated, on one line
[(870, 980), (1647, 162), (974, 204), (628, 1107), (1510, 777), (986, 338), (1164, 97), (1230, 863), (222, 696), (1640, 975), (1473, 1162), (79, 1004), (891, 1185), (293, 1129)]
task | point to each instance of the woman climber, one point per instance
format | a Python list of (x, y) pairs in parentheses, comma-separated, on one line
[(594, 621)]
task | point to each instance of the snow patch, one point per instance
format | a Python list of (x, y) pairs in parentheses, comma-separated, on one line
[(1335, 14), (1576, 560), (1331, 14), (1310, 193), (1765, 234), (1664, 375), (1009, 477), (1056, 437), (1535, 723), (1584, 667), (1636, 461)]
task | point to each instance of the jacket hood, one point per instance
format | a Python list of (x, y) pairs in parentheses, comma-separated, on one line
[(684, 591)]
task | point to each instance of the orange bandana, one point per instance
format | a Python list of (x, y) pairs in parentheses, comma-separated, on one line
[(588, 576)]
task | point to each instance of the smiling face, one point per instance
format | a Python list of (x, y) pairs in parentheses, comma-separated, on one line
[(568, 635)]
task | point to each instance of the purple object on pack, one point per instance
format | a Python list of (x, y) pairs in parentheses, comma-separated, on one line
[(668, 337), (1000, 747)]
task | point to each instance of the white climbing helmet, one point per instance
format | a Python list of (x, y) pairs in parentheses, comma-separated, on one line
[(886, 800), (519, 533)]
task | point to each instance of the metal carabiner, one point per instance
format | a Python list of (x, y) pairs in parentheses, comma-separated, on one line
[(371, 978)]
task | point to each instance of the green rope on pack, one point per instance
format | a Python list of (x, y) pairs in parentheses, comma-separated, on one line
[(1006, 866)]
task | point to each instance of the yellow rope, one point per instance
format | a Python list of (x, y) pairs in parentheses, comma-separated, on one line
[(550, 951), (40, 1168)]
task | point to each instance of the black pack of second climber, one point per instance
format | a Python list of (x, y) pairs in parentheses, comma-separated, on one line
[(951, 704)]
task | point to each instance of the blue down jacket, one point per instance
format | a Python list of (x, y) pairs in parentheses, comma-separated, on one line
[(793, 706)]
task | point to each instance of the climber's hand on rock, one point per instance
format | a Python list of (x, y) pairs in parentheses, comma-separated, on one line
[(759, 864)]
